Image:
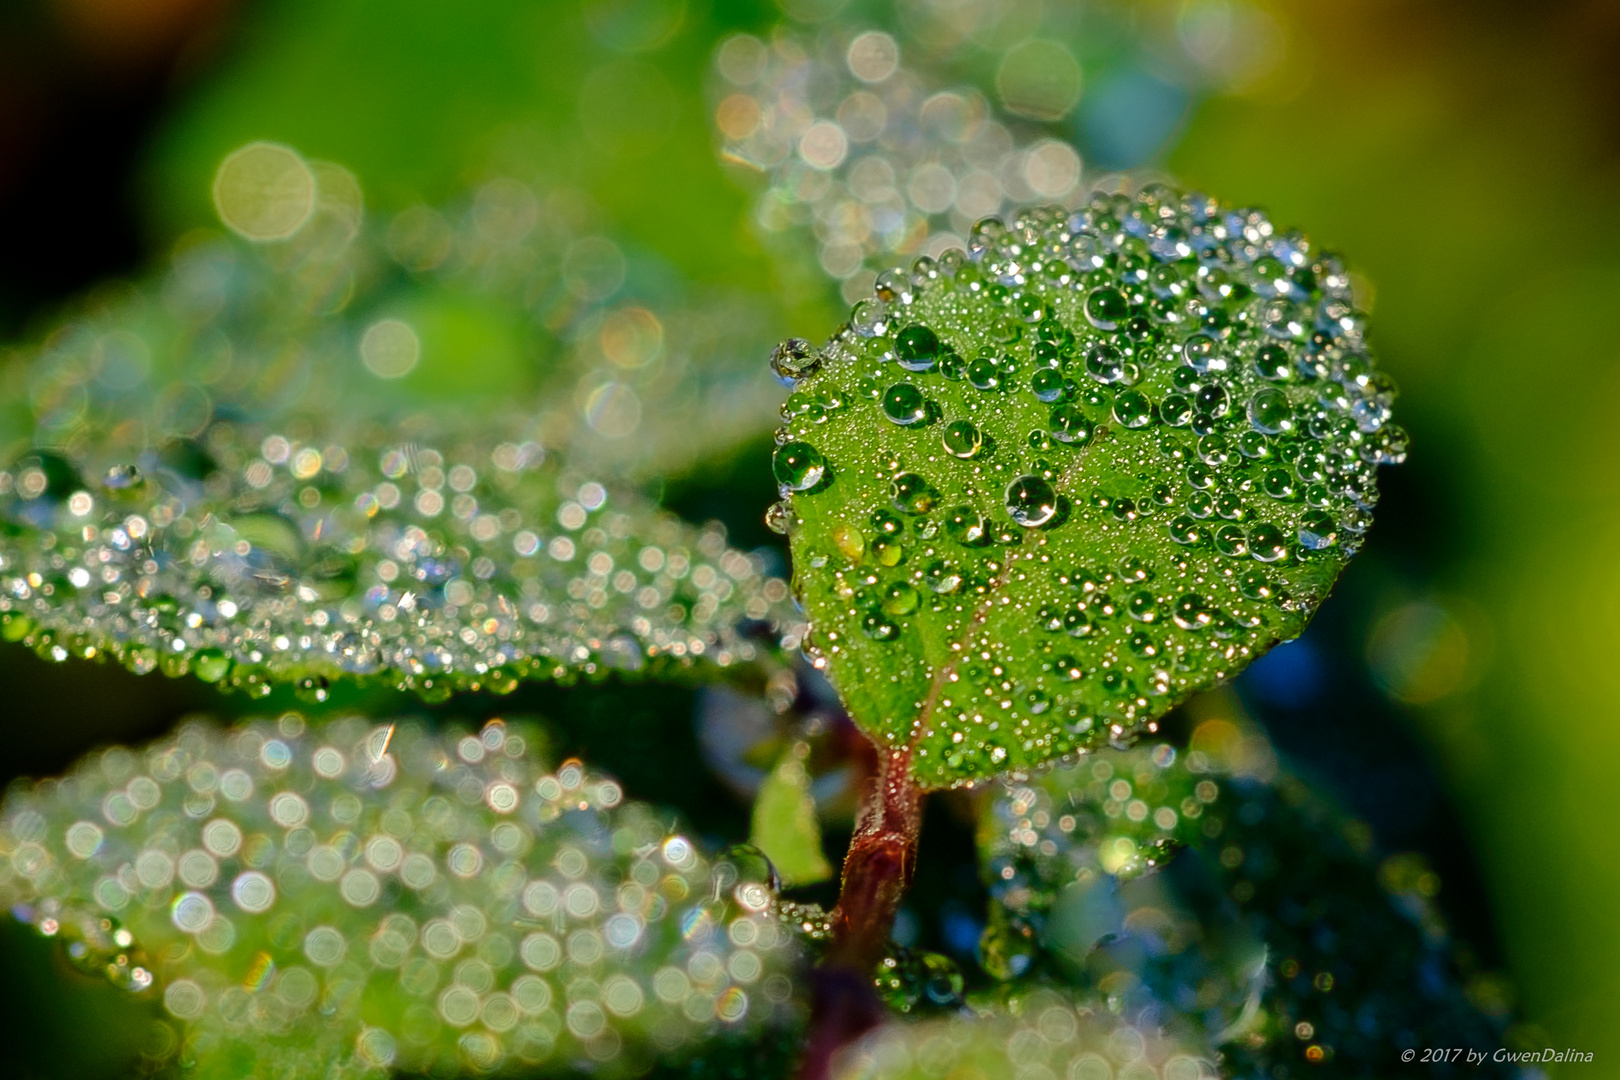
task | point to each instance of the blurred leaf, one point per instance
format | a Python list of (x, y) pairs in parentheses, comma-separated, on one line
[(1038, 495), (362, 452), (345, 899), (1210, 883), (1031, 1031), (785, 827)]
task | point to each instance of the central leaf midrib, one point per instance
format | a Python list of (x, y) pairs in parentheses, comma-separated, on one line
[(982, 613)]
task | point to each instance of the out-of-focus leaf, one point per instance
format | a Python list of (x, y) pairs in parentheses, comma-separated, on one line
[(1211, 884), (339, 900), (1032, 1031), (387, 452), (785, 827)]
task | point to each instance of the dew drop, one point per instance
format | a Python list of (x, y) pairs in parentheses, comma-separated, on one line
[(798, 466), (1317, 530), (1031, 501), (904, 404), (1047, 383), (1069, 425), (1133, 409), (917, 348), (1106, 308), (901, 599), (795, 359), (962, 439), (911, 494), (967, 527), (1269, 411)]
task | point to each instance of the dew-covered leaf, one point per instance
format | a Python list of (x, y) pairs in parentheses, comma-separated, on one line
[(1034, 1032), (366, 451), (336, 900), (1213, 884), (784, 824), (1039, 493)]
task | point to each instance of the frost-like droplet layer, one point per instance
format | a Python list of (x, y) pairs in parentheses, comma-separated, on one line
[(1126, 449), (346, 899)]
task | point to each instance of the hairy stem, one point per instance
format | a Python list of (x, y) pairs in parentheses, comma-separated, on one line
[(877, 870)]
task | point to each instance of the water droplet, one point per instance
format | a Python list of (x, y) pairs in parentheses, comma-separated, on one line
[(1231, 540), (1031, 501), (1133, 409), (1176, 410), (877, 626), (967, 527), (779, 517), (1069, 425), (911, 494), (1317, 530), (1106, 308), (1269, 411), (904, 404), (1267, 543), (798, 466), (983, 374), (849, 541), (901, 599), (1104, 363), (917, 348), (795, 359), (962, 439), (1190, 612), (1047, 383)]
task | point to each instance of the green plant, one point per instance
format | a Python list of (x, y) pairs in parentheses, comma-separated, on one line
[(1038, 493)]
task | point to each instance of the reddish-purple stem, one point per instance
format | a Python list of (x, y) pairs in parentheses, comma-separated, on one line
[(844, 1005)]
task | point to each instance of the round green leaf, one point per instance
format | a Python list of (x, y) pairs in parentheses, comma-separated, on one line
[(1040, 492)]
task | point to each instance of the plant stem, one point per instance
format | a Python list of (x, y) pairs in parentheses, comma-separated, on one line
[(877, 870)]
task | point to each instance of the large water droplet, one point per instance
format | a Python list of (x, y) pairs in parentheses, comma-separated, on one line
[(904, 404), (1133, 409), (1269, 411), (795, 359), (1317, 530), (1069, 425), (1106, 308), (967, 527), (798, 466), (917, 348), (1031, 501), (911, 494), (962, 439)]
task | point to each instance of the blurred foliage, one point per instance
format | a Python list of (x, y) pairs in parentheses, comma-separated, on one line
[(1464, 154)]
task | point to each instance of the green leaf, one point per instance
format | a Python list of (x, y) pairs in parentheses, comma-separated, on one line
[(342, 899), (1040, 493), (784, 826), (1212, 877), (1032, 1031), (336, 455)]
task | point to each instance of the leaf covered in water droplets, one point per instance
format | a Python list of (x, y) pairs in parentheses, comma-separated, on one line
[(297, 462), (1039, 493), (1035, 1031), (1215, 877), (340, 900)]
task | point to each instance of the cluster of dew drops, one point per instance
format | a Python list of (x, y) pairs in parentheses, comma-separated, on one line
[(1178, 339), (424, 899)]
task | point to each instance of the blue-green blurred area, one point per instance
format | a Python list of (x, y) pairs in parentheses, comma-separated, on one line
[(1462, 685)]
